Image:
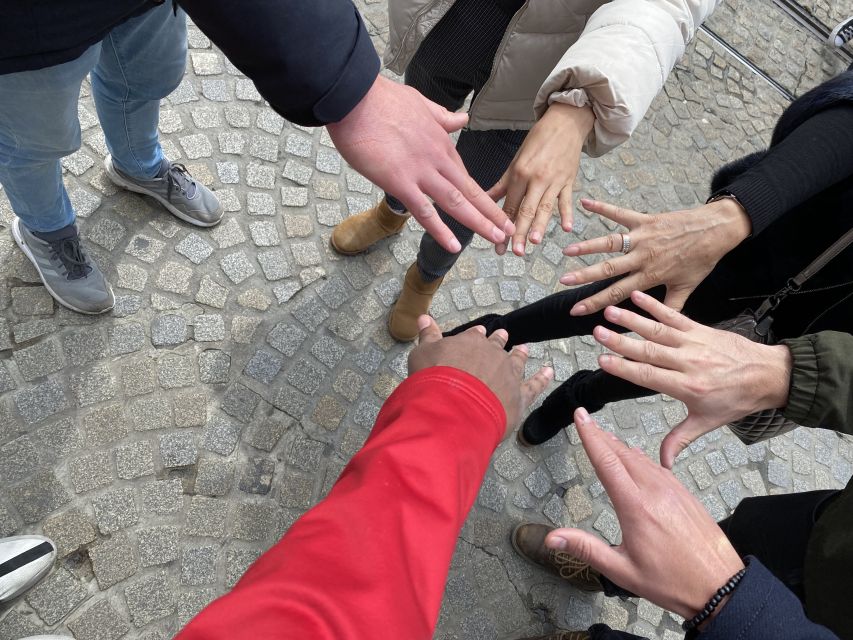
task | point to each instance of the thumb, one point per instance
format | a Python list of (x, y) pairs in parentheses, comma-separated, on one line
[(680, 437), (590, 549), (677, 298), (428, 330), (498, 191), (450, 121)]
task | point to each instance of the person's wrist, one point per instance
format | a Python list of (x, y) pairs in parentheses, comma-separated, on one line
[(736, 225), (581, 119), (780, 363)]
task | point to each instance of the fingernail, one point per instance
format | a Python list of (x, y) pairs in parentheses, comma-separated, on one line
[(604, 359), (578, 310), (569, 278), (549, 373), (498, 235), (586, 201), (423, 322), (509, 227), (614, 313), (603, 334), (557, 543), (570, 251), (581, 415), (535, 237), (519, 249), (455, 247), (567, 228)]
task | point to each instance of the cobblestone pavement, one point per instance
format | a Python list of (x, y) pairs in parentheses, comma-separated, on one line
[(165, 446)]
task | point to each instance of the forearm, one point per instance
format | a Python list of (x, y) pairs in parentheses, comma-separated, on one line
[(812, 158), (371, 560), (313, 61), (762, 608)]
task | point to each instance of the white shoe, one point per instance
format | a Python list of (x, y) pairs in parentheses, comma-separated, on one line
[(843, 33), (24, 560)]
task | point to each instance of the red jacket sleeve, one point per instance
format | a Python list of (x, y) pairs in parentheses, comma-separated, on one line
[(371, 560)]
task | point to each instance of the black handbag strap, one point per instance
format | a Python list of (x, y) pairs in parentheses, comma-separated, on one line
[(798, 280)]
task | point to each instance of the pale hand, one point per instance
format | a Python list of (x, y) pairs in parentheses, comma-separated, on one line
[(677, 249), (672, 551), (398, 140), (720, 376), (485, 359), (542, 172)]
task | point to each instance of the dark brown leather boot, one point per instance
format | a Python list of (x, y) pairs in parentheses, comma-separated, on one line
[(529, 541), (413, 302), (357, 233)]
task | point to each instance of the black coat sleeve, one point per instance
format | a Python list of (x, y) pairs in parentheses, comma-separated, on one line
[(813, 157), (312, 60)]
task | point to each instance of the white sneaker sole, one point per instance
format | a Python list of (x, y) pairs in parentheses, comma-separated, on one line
[(834, 34), (113, 175), (19, 240)]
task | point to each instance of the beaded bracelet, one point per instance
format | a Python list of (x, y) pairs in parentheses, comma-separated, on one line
[(715, 600)]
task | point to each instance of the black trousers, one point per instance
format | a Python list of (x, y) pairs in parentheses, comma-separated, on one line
[(454, 60), (774, 529)]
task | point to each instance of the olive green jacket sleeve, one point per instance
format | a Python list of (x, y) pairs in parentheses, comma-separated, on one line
[(821, 392)]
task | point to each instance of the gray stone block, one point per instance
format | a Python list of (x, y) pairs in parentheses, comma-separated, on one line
[(126, 338), (214, 366), (157, 545), (305, 453), (221, 436), (99, 622), (168, 330), (38, 497), (286, 338), (296, 491), (255, 521), (240, 402), (83, 346), (275, 265), (174, 371), (209, 328), (150, 598), (115, 510), (138, 377), (257, 476), (31, 301), (237, 561), (265, 434), (198, 565), (191, 602), (93, 385), (305, 376), (57, 596), (214, 477), (18, 459), (264, 366), (39, 360), (70, 531), (327, 351), (90, 472), (162, 497), (114, 560), (178, 450), (237, 267), (135, 460), (206, 517), (59, 438), (151, 413)]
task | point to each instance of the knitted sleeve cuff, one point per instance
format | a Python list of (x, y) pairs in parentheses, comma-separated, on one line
[(758, 197)]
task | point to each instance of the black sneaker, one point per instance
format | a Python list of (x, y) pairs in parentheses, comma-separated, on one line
[(842, 34)]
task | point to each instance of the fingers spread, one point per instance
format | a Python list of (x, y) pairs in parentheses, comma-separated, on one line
[(543, 216), (518, 357), (564, 202), (680, 437), (645, 375), (662, 312), (424, 212), (614, 294), (600, 271), (610, 243), (462, 199), (499, 338), (603, 452), (637, 350), (649, 329), (625, 217), (590, 549), (536, 385)]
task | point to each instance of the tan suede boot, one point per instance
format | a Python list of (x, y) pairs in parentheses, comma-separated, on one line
[(413, 302), (358, 232)]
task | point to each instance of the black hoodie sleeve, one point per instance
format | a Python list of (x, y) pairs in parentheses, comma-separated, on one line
[(312, 60)]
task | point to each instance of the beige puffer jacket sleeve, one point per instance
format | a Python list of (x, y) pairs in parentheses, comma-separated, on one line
[(620, 63)]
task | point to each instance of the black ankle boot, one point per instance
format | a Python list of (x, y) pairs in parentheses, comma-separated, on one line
[(491, 321), (555, 413)]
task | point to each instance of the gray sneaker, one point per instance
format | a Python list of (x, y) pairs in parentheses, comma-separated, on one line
[(175, 189), (66, 271)]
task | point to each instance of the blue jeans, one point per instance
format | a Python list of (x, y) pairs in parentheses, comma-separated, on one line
[(139, 62)]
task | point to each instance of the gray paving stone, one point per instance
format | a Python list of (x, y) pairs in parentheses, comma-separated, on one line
[(150, 598), (162, 497), (168, 330), (145, 248), (39, 360), (214, 477), (240, 402), (158, 545), (57, 596), (99, 622), (90, 472), (221, 436), (305, 376), (178, 450), (114, 560), (115, 510), (264, 233), (214, 366), (236, 562), (257, 477), (125, 338), (206, 517), (32, 329), (237, 267), (93, 385), (59, 438), (198, 565), (135, 460), (38, 496), (286, 338), (327, 351), (175, 371), (297, 172), (260, 176), (264, 366), (150, 413), (70, 531), (31, 301), (295, 491), (83, 346), (191, 409), (211, 293), (18, 459), (194, 248), (608, 526)]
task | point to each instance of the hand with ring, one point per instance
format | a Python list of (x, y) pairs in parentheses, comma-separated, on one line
[(677, 249)]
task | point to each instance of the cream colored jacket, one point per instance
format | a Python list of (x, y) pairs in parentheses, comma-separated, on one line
[(614, 56)]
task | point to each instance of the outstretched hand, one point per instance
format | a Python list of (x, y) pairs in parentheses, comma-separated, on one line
[(485, 359), (544, 171), (398, 140), (672, 551), (677, 249), (720, 376)]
